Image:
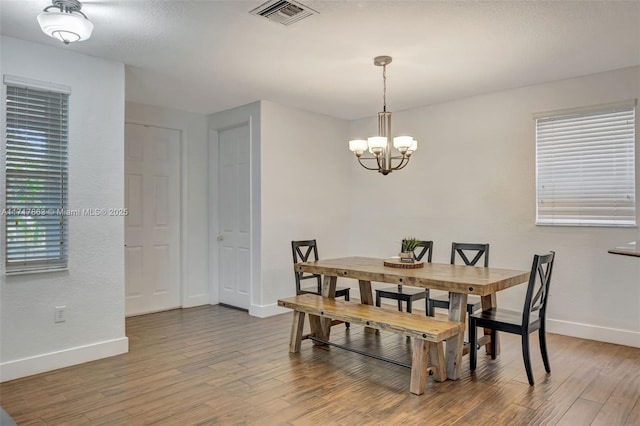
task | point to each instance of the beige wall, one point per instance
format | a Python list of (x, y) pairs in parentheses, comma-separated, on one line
[(305, 190), (473, 180), (92, 289)]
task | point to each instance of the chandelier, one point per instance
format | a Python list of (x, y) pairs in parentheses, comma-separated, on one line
[(381, 146), (67, 24)]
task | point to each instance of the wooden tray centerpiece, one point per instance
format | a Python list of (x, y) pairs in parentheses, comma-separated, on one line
[(397, 263), (406, 258)]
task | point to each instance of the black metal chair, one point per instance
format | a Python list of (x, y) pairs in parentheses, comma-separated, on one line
[(464, 251), (302, 251), (531, 318), (411, 294)]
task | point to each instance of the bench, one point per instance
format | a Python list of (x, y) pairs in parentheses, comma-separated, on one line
[(428, 332)]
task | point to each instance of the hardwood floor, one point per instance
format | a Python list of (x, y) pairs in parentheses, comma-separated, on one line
[(215, 365)]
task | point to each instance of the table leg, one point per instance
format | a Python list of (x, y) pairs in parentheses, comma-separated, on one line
[(366, 298), (366, 295), (329, 286), (489, 302), (328, 290), (455, 345)]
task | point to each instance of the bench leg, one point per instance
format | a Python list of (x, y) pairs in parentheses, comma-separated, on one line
[(419, 363), (320, 328), (436, 359), (295, 339)]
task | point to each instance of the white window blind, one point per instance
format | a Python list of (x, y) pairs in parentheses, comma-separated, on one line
[(36, 179), (585, 165)]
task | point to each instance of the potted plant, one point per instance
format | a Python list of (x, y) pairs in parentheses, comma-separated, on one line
[(409, 244)]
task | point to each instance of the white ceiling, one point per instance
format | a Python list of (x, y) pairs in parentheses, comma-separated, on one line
[(208, 56)]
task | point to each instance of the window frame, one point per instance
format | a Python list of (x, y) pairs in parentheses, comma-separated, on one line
[(58, 260), (578, 116)]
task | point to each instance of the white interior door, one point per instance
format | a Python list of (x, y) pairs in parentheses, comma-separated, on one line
[(152, 227), (234, 216)]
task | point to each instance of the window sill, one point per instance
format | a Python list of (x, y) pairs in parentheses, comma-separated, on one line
[(36, 271), (589, 225)]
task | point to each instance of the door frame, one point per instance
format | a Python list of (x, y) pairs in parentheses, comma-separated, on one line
[(248, 115), (183, 204)]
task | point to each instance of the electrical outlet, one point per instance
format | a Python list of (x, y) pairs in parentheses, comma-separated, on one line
[(60, 314)]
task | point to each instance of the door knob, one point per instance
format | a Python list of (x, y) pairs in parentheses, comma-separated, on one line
[(220, 238)]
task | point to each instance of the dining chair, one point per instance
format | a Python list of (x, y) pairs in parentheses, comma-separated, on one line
[(470, 253), (302, 252), (410, 294), (531, 318)]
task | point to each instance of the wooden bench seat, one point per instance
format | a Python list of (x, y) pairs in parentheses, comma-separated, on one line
[(428, 333)]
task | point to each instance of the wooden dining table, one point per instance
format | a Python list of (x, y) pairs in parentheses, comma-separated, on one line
[(458, 280)]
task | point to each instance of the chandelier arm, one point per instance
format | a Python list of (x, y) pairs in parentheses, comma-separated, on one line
[(403, 163), (404, 160), (367, 158), (363, 165)]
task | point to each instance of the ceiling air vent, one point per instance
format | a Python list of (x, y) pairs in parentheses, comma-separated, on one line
[(284, 12)]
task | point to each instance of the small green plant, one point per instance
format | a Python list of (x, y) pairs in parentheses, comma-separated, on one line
[(409, 244)]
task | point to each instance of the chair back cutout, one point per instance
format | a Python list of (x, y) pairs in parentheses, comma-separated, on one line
[(538, 287), (465, 249)]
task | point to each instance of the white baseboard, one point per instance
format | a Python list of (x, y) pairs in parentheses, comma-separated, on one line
[(196, 300), (52, 361), (594, 332), (263, 311)]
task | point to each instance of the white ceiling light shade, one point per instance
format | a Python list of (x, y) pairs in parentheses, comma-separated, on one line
[(377, 144), (359, 146), (402, 143), (67, 24)]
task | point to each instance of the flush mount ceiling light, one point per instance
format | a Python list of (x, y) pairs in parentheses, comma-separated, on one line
[(381, 146), (67, 23)]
